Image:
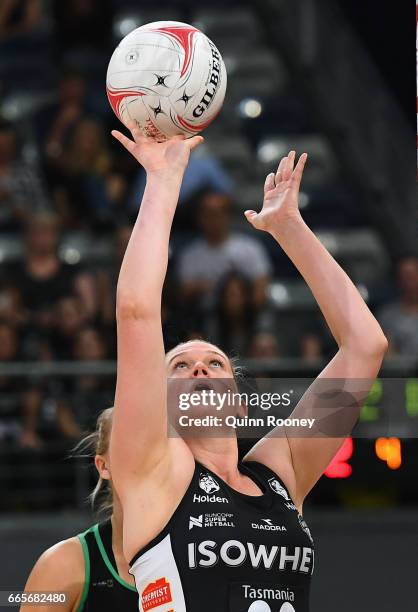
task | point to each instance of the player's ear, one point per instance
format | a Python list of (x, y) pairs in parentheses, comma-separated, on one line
[(101, 463)]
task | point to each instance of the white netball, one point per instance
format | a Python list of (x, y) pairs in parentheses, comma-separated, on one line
[(168, 77)]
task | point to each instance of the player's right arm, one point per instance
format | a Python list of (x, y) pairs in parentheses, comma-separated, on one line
[(60, 569), (139, 429)]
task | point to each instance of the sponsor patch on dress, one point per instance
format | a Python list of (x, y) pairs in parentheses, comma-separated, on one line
[(267, 597), (156, 594)]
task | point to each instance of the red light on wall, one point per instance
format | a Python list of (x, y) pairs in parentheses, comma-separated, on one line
[(389, 450), (339, 466)]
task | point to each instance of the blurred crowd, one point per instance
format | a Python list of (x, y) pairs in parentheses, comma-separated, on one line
[(79, 181)]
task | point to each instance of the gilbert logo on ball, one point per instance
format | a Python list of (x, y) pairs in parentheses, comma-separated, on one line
[(168, 77)]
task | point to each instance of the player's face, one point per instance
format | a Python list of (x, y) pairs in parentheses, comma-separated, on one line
[(203, 372), (198, 360)]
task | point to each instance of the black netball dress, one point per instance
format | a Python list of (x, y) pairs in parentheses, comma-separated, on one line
[(224, 551), (104, 590)]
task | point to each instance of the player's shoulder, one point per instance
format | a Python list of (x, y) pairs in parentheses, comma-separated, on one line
[(64, 556), (60, 568)]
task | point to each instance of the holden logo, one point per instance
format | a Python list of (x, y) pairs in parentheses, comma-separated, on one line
[(132, 57), (208, 484), (277, 488)]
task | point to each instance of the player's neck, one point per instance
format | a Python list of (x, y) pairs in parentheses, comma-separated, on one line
[(117, 524), (220, 455)]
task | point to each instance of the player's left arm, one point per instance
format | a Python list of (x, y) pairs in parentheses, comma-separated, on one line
[(334, 399)]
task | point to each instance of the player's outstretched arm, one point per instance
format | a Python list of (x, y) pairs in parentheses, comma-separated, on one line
[(60, 569), (139, 430), (361, 342)]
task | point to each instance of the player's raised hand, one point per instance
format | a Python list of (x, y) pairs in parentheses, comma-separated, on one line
[(169, 156), (281, 191)]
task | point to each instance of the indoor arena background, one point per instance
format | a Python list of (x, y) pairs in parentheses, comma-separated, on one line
[(335, 79)]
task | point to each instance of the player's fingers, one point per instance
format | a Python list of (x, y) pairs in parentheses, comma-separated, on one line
[(288, 168), (250, 216), (137, 135), (179, 137), (124, 140), (269, 183), (195, 142), (298, 171), (279, 172)]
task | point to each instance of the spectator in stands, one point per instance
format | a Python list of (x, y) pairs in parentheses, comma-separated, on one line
[(83, 26), (235, 316), (399, 319), (203, 173), (82, 398), (94, 194), (24, 47), (73, 402), (43, 278), (18, 421), (19, 18), (106, 283), (69, 318), (173, 325), (21, 190), (311, 348), (264, 345), (218, 252), (12, 311), (56, 122), (10, 416)]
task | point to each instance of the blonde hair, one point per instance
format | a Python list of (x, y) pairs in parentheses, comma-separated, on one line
[(97, 443), (237, 370)]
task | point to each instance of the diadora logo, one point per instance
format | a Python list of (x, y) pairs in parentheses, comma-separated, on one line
[(208, 483), (277, 488), (267, 525), (213, 519)]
